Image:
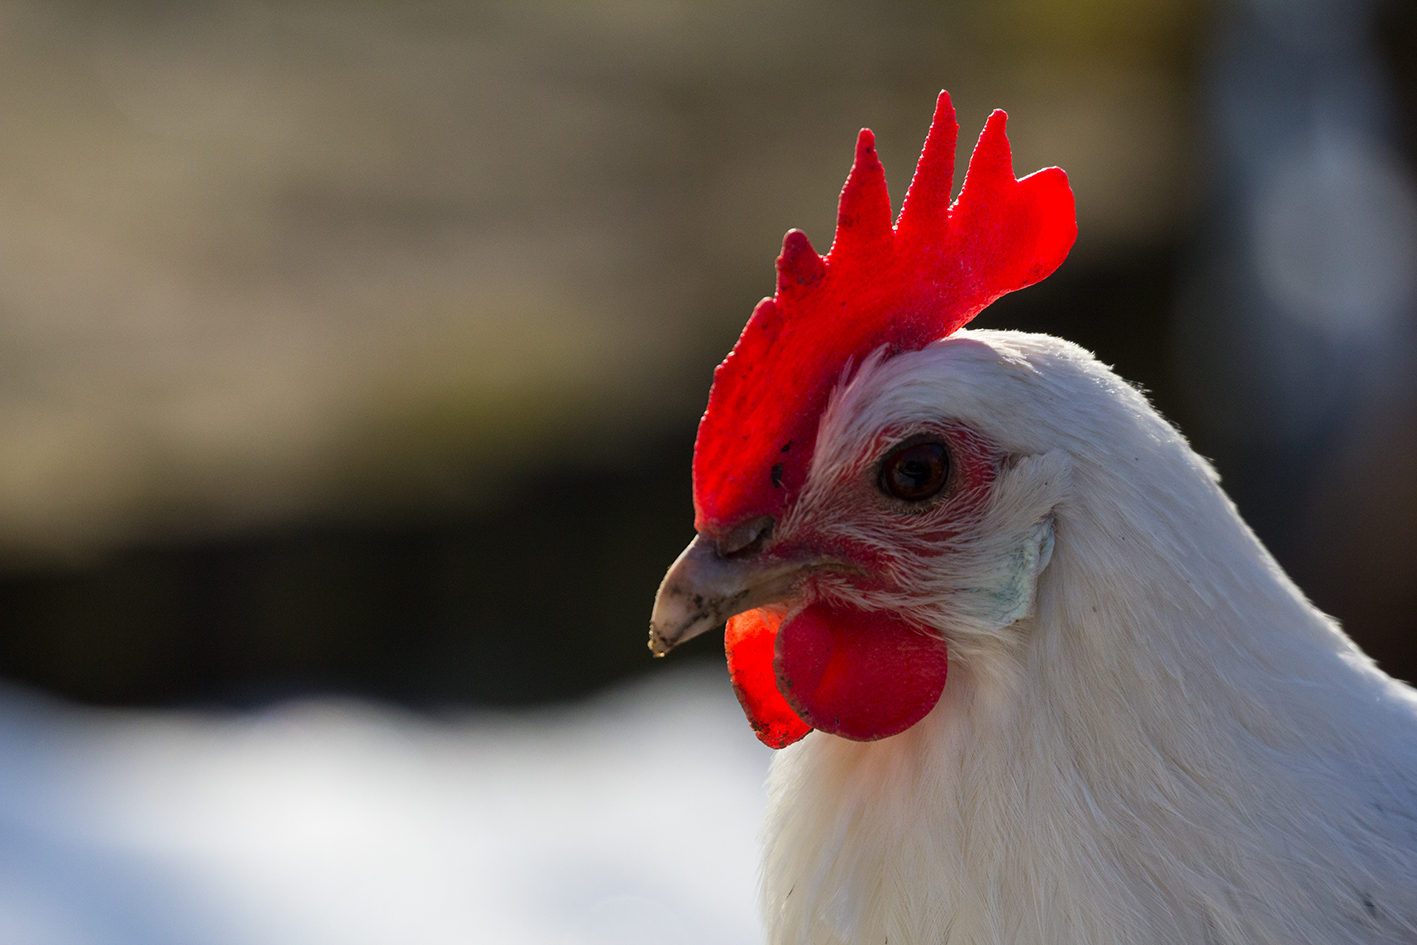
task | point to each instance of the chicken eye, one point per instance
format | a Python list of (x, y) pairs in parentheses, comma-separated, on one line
[(916, 471)]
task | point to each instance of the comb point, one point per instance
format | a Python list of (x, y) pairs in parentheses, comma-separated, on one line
[(863, 217), (991, 166), (799, 266), (928, 198)]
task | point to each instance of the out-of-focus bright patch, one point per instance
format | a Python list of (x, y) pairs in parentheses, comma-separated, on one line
[(347, 822)]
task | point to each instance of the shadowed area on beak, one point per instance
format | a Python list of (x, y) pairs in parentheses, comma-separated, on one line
[(711, 581)]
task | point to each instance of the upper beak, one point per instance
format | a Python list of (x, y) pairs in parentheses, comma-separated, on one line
[(703, 588)]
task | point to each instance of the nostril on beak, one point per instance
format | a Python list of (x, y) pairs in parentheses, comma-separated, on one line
[(747, 538)]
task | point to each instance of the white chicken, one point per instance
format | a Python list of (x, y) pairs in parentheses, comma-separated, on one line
[(1062, 693)]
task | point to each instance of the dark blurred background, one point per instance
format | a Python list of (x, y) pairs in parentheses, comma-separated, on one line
[(358, 347)]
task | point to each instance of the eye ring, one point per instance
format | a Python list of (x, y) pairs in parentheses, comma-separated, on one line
[(915, 470)]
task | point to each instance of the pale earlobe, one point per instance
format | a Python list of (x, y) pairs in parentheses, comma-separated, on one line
[(1019, 589)]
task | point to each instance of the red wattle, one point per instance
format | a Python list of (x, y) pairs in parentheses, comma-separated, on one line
[(858, 674), (749, 643)]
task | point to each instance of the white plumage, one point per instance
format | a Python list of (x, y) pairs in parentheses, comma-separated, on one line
[(1148, 735)]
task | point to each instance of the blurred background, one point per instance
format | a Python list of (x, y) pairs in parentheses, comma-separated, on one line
[(350, 360)]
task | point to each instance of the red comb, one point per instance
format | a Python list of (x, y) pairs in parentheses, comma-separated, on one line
[(901, 286)]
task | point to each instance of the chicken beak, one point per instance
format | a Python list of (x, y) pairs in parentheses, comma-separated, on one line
[(703, 588)]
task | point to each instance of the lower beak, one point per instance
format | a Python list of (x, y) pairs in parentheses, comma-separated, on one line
[(703, 589)]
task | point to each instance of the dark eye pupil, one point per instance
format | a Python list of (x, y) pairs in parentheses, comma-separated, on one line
[(916, 472)]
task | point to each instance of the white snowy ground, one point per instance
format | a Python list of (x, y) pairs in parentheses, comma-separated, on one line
[(628, 819)]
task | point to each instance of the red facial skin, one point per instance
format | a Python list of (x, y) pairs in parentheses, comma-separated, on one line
[(830, 665)]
